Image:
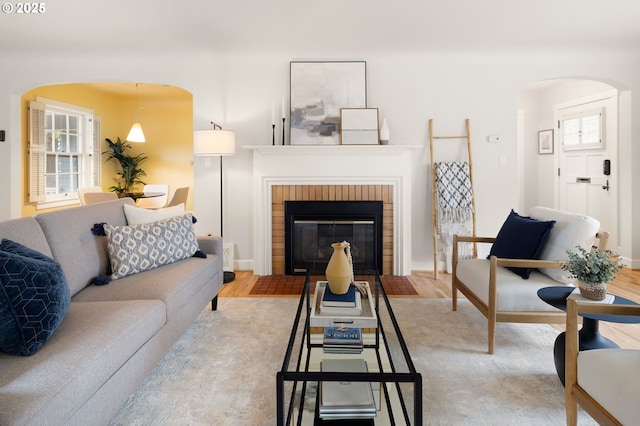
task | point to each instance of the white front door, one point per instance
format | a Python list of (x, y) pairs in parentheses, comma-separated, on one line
[(587, 162)]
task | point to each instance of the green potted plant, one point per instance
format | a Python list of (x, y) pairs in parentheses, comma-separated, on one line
[(593, 270), (130, 171)]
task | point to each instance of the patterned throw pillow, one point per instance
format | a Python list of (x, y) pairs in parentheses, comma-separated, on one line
[(34, 298), (138, 248)]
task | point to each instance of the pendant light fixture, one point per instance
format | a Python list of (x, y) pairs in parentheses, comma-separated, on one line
[(136, 134)]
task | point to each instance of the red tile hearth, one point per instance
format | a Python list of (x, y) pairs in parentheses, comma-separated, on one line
[(292, 285)]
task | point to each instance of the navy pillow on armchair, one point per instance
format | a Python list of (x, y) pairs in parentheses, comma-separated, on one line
[(34, 298), (521, 238)]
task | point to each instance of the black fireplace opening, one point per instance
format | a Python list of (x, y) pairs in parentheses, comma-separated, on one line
[(311, 227)]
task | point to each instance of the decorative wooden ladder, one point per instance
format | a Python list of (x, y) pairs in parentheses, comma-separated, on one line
[(466, 137)]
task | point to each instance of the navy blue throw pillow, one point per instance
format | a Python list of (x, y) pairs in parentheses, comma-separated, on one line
[(521, 238), (34, 298)]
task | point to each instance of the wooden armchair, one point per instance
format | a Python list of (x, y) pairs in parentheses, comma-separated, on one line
[(501, 295), (603, 381)]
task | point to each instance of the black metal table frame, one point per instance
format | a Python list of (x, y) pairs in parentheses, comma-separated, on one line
[(303, 377)]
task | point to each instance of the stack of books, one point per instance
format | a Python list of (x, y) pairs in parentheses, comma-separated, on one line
[(342, 340), (347, 304), (346, 400)]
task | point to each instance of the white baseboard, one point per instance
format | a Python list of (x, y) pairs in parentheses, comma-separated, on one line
[(244, 265)]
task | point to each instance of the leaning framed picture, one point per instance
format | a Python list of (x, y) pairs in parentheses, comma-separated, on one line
[(319, 90), (545, 141), (359, 126)]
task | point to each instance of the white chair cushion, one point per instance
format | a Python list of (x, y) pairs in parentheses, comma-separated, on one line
[(139, 215), (513, 292), (612, 377), (570, 230)]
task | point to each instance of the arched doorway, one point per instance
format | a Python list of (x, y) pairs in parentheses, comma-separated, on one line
[(166, 114), (567, 176)]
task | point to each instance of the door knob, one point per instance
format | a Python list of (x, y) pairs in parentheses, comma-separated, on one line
[(606, 187)]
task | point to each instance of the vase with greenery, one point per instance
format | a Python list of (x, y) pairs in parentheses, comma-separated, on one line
[(130, 172), (593, 270)]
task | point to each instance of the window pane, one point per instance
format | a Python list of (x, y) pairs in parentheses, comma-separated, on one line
[(591, 129), (74, 183), (62, 143), (51, 164), (50, 183), (571, 132), (74, 163), (73, 143), (65, 184), (48, 122), (63, 164), (74, 123), (61, 122), (49, 141)]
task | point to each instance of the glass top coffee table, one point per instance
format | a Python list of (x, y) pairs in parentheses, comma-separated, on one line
[(308, 394)]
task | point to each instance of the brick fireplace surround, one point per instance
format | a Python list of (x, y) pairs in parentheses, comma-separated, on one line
[(282, 193)]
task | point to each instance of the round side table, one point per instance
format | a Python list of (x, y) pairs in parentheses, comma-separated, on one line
[(589, 334)]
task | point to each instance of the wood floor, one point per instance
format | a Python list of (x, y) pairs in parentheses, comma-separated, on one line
[(626, 284)]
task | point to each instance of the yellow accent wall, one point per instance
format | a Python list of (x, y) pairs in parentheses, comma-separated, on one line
[(166, 116)]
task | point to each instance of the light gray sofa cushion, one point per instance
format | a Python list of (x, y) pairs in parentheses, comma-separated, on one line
[(26, 231), (175, 284), (83, 256), (92, 342)]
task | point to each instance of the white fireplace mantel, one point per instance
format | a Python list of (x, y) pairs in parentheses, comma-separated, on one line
[(332, 165)]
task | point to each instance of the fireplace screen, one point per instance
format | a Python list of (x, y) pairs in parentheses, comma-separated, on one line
[(312, 226)]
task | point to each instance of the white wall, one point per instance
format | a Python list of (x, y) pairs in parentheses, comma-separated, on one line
[(237, 90)]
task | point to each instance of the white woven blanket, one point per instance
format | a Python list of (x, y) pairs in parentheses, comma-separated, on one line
[(454, 200)]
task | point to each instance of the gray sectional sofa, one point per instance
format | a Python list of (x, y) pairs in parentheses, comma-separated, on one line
[(112, 335)]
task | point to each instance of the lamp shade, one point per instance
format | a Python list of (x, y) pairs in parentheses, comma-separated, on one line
[(135, 134), (214, 142)]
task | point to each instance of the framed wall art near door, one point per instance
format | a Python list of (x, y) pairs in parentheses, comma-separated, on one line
[(319, 90), (545, 141)]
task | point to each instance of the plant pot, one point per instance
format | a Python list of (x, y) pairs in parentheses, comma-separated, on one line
[(593, 291), (339, 271)]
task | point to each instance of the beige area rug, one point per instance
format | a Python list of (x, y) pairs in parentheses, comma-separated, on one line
[(222, 370)]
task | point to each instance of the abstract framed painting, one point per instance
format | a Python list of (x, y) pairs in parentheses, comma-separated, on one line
[(319, 89)]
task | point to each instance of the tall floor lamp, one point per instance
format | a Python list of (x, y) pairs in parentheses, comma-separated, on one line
[(216, 143)]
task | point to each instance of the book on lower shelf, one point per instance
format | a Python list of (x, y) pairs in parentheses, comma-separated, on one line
[(346, 400), (349, 335), (346, 340)]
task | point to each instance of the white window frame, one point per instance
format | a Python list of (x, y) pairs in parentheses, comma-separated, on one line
[(89, 155), (581, 120)]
